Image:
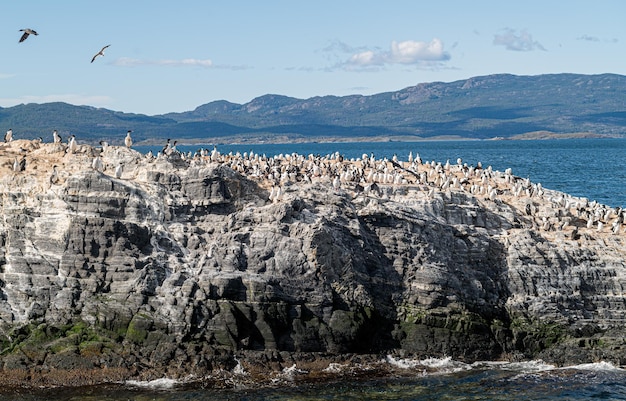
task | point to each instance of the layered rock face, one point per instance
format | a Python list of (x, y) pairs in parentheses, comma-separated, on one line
[(186, 264)]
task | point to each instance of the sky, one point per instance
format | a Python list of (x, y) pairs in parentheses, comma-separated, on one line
[(173, 56)]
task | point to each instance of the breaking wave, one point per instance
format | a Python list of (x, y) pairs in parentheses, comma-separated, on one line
[(448, 365), (163, 383)]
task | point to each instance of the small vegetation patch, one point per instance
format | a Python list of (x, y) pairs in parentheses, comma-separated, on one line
[(33, 339), (535, 335)]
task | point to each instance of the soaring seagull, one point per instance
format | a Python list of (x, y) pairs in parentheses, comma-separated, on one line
[(100, 53), (27, 32)]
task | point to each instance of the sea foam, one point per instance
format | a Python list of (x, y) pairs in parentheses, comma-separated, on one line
[(439, 365), (597, 366), (163, 383)]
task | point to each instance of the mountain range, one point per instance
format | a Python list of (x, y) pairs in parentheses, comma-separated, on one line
[(485, 107)]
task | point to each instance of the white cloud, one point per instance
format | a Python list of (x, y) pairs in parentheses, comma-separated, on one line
[(407, 52), (589, 38), (339, 46), (411, 52), (67, 98), (517, 42), (133, 62), (128, 62), (192, 61), (6, 76), (366, 58)]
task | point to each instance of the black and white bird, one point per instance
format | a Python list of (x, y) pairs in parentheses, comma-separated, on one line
[(100, 53), (54, 177), (56, 137), (27, 31), (97, 164), (166, 148), (72, 145), (8, 137), (19, 165), (128, 141)]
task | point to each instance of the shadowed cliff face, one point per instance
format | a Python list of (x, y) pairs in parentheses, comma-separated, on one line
[(179, 264)]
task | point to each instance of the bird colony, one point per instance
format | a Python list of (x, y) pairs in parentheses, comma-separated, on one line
[(367, 177)]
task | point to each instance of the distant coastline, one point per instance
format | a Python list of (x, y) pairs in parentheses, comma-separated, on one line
[(492, 107), (287, 139)]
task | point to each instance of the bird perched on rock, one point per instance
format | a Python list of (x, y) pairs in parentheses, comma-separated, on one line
[(100, 53), (128, 141), (54, 177), (97, 164), (27, 31), (72, 145), (56, 137), (8, 137), (19, 165)]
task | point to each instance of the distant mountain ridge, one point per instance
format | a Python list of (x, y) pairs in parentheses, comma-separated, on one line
[(502, 106)]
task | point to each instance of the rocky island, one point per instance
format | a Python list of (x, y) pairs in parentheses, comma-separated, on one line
[(115, 265)]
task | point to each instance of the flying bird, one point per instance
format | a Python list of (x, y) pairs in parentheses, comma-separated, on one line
[(27, 32), (100, 53)]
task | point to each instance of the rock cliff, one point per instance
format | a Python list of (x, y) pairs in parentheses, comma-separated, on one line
[(125, 265)]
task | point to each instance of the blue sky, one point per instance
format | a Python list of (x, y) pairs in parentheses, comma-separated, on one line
[(172, 56)]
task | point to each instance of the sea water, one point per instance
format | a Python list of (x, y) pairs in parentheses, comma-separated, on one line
[(591, 168), (446, 380)]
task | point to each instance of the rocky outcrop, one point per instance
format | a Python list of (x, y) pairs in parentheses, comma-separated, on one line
[(190, 265)]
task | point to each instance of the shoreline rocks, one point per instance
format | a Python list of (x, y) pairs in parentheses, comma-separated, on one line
[(182, 264)]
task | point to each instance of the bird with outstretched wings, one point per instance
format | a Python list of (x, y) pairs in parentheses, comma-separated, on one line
[(100, 53), (27, 32)]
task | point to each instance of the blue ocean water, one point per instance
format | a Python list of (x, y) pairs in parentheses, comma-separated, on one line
[(591, 168), (452, 381)]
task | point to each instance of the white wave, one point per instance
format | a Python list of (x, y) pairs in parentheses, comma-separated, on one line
[(439, 365), (238, 369), (445, 365), (335, 368), (449, 365), (538, 365), (288, 374), (489, 364), (163, 383), (292, 370), (533, 366), (596, 366), (402, 363)]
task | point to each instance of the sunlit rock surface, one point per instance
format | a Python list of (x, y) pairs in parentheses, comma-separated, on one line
[(191, 264)]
